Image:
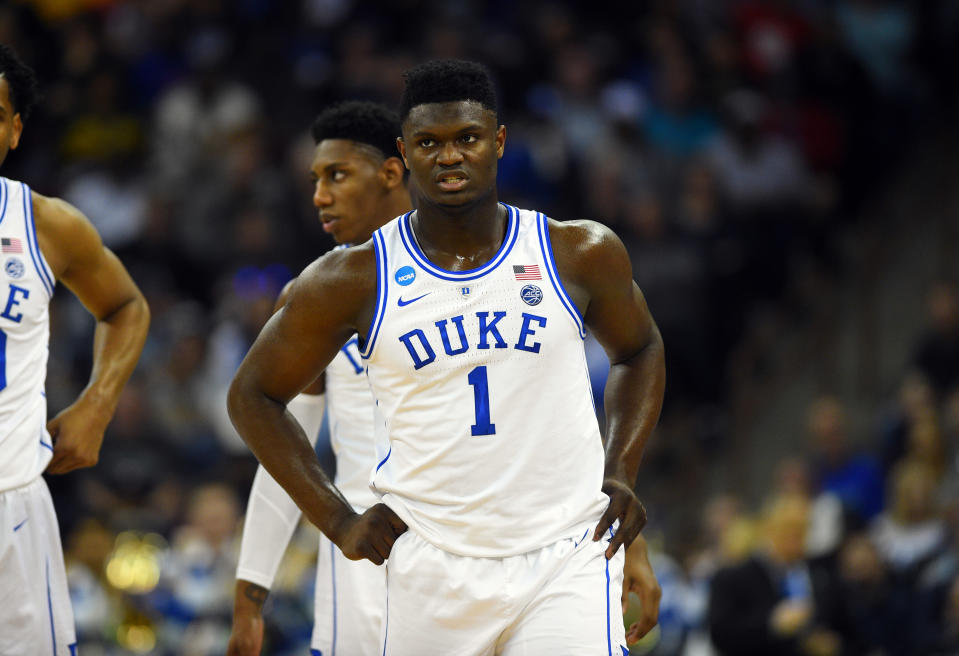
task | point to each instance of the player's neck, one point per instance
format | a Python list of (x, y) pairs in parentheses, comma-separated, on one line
[(460, 239), (399, 203), (394, 206)]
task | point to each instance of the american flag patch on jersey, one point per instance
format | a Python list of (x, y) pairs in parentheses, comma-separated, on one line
[(11, 245), (526, 272)]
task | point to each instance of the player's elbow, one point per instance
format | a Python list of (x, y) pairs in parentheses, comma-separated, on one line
[(238, 399), (141, 313)]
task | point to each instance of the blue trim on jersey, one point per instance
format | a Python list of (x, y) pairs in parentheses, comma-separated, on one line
[(32, 245), (53, 631), (333, 576), (383, 461), (316, 652), (42, 443), (609, 635), (542, 228), (386, 621), (409, 242), (17, 527), (382, 287), (4, 195)]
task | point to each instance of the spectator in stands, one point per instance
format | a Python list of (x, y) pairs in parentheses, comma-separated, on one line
[(196, 588), (881, 619), (774, 602), (915, 402), (855, 478), (910, 534), (937, 353)]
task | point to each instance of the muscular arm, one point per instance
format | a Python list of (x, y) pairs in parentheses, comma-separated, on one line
[(99, 280), (331, 300), (271, 518), (594, 265)]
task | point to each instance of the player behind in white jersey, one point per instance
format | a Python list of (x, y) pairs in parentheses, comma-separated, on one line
[(45, 240), (471, 316), (359, 185)]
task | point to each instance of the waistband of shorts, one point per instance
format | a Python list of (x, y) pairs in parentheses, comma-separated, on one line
[(26, 486)]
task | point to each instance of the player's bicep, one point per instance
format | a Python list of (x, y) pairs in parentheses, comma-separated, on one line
[(617, 313), (85, 266), (297, 342)]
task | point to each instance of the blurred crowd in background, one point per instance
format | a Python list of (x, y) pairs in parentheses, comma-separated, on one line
[(732, 146)]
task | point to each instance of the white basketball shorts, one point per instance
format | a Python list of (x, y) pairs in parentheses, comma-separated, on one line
[(35, 613), (350, 604), (561, 599)]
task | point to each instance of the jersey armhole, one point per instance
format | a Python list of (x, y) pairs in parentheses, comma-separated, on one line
[(382, 287), (33, 245), (542, 226), (4, 195)]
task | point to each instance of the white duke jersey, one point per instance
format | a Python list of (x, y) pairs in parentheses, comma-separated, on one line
[(349, 406), (487, 438), (26, 286)]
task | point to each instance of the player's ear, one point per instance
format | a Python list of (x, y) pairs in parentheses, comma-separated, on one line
[(17, 130), (401, 146), (500, 141), (391, 172)]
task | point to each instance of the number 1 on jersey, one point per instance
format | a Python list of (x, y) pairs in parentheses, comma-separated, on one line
[(483, 426)]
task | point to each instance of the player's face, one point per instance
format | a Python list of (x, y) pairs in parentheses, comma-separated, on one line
[(349, 189), (10, 124), (451, 150)]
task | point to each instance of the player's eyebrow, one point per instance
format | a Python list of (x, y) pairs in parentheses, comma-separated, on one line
[(329, 166)]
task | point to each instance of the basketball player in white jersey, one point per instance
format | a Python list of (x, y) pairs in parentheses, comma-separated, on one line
[(45, 240), (355, 142), (359, 185), (500, 512)]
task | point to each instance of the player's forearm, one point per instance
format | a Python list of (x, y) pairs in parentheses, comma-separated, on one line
[(248, 598), (117, 343), (271, 515), (634, 399), (281, 446)]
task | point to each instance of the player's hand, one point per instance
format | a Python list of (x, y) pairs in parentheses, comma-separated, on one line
[(639, 578), (77, 433), (624, 506), (246, 637), (370, 535)]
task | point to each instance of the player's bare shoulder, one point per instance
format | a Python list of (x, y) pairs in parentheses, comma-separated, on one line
[(340, 284), (64, 233), (587, 254)]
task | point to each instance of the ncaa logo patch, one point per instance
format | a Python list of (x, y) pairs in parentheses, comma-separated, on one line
[(14, 267), (531, 294), (405, 275)]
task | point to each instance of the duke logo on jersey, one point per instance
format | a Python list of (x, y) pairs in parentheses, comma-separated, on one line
[(422, 350)]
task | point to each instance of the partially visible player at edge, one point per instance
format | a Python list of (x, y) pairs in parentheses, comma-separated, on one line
[(471, 316), (359, 184), (45, 240)]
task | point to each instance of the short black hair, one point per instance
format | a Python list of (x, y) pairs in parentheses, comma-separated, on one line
[(21, 80), (361, 121), (447, 80)]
